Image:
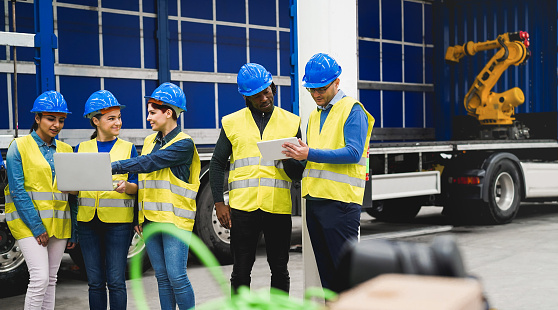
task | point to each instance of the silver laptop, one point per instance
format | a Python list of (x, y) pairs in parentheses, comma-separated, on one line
[(271, 150), (83, 171)]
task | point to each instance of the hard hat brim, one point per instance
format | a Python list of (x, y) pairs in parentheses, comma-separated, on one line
[(318, 85), (35, 111), (93, 113), (257, 90), (178, 110)]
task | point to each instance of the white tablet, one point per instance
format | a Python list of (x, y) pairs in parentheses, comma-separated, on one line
[(271, 150), (83, 171)]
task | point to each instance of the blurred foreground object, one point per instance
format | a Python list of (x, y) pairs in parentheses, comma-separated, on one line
[(361, 261), (406, 292)]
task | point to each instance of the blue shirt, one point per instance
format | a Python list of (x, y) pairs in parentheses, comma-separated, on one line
[(106, 146), (16, 179), (355, 130), (177, 156)]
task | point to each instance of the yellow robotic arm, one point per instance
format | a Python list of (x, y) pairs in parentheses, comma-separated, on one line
[(488, 107)]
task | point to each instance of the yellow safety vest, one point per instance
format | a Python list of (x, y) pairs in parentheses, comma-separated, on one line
[(165, 198), (111, 206), (51, 204), (341, 182), (255, 183)]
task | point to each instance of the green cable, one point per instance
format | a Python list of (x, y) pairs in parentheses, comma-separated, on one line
[(263, 299)]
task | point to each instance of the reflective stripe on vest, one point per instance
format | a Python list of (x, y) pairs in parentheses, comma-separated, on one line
[(332, 176), (109, 206), (107, 203), (255, 183), (169, 207), (254, 161), (40, 196), (51, 205), (164, 197), (43, 214), (162, 184), (340, 182), (259, 182)]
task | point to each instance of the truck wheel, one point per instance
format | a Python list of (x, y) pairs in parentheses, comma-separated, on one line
[(216, 237), (137, 247), (396, 210), (14, 276), (504, 193)]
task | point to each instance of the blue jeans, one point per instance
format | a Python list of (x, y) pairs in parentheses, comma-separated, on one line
[(330, 224), (169, 256), (105, 253)]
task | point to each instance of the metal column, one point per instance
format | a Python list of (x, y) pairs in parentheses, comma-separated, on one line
[(45, 43), (163, 41), (294, 56)]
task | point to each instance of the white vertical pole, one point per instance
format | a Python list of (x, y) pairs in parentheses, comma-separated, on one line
[(327, 26)]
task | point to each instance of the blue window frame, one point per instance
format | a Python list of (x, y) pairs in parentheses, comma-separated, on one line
[(263, 49), (231, 11), (197, 9), (78, 37), (262, 12), (231, 49), (76, 90), (127, 5), (121, 40), (229, 100), (128, 93), (197, 47), (200, 102), (149, 43)]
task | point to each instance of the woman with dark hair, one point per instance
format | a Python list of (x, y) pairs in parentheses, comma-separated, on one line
[(37, 213), (105, 218), (169, 169)]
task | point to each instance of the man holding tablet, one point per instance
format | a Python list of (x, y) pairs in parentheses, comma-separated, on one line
[(338, 135), (259, 190)]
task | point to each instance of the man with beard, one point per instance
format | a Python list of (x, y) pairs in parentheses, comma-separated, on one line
[(259, 190)]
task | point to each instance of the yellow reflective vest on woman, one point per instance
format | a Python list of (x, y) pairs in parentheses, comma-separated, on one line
[(50, 203), (111, 206), (165, 198), (341, 182), (255, 183)]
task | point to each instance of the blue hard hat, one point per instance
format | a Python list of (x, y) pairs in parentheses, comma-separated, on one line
[(170, 94), (50, 101), (320, 70), (252, 78), (98, 101)]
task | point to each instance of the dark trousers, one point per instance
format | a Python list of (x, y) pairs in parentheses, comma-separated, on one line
[(245, 233), (330, 224)]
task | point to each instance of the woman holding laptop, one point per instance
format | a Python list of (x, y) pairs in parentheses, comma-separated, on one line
[(169, 169), (37, 213), (105, 218)]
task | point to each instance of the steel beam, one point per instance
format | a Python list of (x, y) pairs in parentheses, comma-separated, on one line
[(45, 43), (163, 40)]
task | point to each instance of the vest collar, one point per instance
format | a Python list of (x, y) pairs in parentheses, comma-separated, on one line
[(340, 95), (40, 141), (166, 139)]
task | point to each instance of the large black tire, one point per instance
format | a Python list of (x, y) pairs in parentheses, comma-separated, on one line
[(208, 229), (14, 276), (396, 210), (504, 193), (137, 247)]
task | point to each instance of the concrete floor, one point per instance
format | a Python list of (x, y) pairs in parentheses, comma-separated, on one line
[(516, 263)]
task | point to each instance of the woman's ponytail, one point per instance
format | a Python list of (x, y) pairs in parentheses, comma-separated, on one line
[(94, 135), (35, 126)]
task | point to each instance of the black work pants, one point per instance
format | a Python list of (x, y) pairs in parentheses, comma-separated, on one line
[(245, 233)]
